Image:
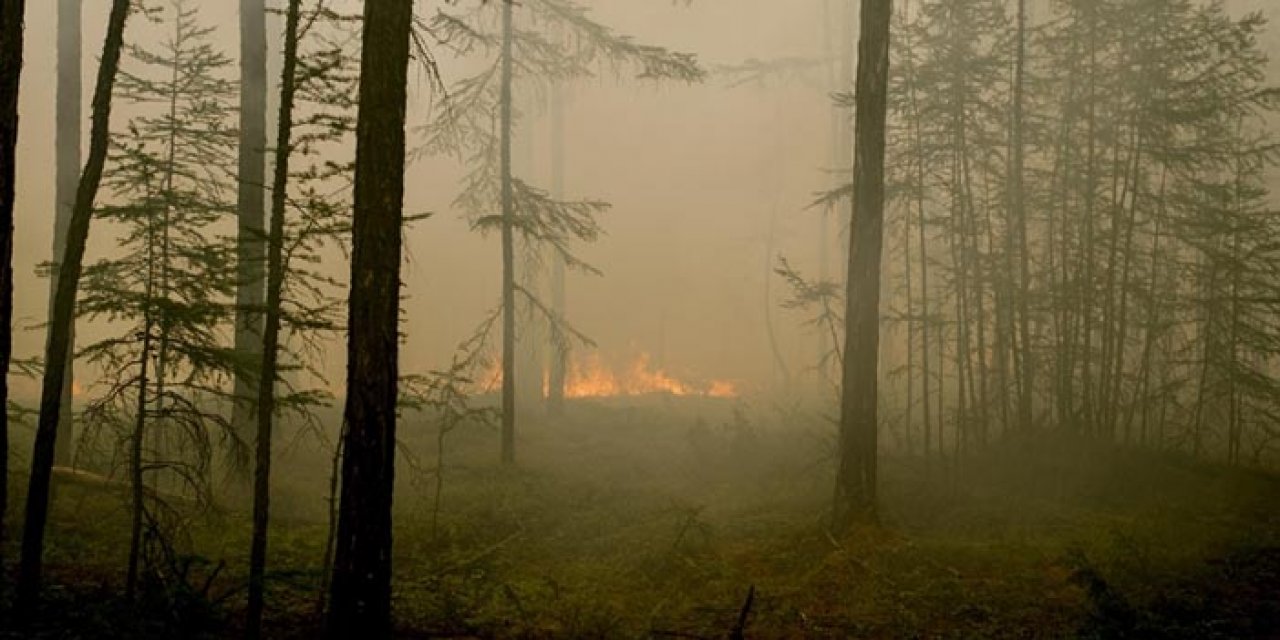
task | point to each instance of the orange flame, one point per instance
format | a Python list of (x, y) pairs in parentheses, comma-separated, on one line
[(591, 378)]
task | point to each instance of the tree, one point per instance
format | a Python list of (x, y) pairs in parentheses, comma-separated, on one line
[(478, 121), (67, 143), (856, 475), (271, 330), (1024, 356), (58, 345), (508, 243), (558, 371), (168, 287), (250, 253), (360, 604), (12, 13)]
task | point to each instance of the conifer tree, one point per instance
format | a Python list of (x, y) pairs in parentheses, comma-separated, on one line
[(169, 286), (480, 119)]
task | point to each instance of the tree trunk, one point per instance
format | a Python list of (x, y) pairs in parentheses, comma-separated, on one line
[(856, 477), (508, 253), (136, 439), (67, 170), (266, 399), (58, 345), (918, 166), (360, 605), (911, 330), (11, 27), (249, 245), (1087, 382), (1025, 358), (557, 375)]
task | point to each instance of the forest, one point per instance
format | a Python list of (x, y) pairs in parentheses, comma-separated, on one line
[(621, 319)]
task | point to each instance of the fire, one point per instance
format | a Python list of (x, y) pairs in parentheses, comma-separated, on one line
[(592, 378)]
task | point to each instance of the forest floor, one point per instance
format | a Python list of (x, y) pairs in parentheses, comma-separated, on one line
[(656, 520)]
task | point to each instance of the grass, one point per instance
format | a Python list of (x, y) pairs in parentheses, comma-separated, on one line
[(654, 521)]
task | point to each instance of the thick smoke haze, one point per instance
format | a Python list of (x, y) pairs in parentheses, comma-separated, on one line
[(1061, 420), (709, 183), (700, 177)]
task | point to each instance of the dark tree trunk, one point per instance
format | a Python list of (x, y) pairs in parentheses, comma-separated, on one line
[(249, 246), (136, 440), (11, 25), (856, 477), (360, 605), (67, 169), (508, 254), (58, 345), (266, 403)]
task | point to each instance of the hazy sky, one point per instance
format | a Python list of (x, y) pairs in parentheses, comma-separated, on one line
[(697, 175)]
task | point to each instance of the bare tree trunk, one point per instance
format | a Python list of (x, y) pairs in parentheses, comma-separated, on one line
[(136, 440), (508, 253), (839, 70), (1151, 327), (558, 372), (331, 531), (67, 173), (1026, 355), (12, 13), (58, 345), (918, 165), (250, 250), (911, 330), (360, 605), (266, 400), (856, 476), (1087, 384), (1122, 319)]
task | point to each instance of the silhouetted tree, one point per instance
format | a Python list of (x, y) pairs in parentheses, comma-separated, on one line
[(856, 476), (479, 120), (58, 347), (169, 286), (360, 605), (12, 13), (67, 170), (250, 254), (271, 329)]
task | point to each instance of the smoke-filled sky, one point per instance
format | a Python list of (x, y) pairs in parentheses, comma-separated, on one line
[(706, 181)]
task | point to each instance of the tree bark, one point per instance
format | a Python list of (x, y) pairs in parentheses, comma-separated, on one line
[(11, 41), (58, 345), (856, 477), (508, 252), (360, 605), (559, 361), (67, 170), (250, 204), (136, 440), (266, 399)]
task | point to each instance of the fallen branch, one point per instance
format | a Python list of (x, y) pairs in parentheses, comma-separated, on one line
[(740, 629)]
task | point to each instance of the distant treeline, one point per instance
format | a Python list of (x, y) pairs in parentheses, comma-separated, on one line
[(1082, 237)]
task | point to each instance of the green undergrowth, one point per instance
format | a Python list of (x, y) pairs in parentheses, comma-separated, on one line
[(656, 521)]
